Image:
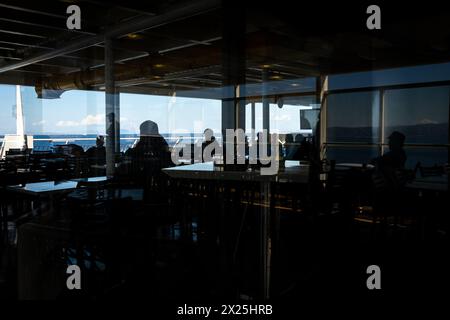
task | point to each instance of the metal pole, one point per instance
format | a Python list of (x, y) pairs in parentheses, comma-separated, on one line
[(265, 101), (253, 116), (111, 117)]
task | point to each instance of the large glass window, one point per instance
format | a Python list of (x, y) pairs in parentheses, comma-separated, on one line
[(390, 77), (177, 117), (353, 117), (419, 113), (7, 110), (426, 156), (352, 154)]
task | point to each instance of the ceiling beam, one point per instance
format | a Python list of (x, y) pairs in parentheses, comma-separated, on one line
[(46, 26), (23, 42), (122, 7), (34, 11), (22, 34), (141, 24), (10, 58)]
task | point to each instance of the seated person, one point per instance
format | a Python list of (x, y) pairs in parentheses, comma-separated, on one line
[(151, 148), (395, 158), (389, 166), (97, 153)]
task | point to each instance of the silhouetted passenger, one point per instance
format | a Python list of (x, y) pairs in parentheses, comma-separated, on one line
[(390, 166), (97, 153), (390, 177), (151, 146), (396, 157)]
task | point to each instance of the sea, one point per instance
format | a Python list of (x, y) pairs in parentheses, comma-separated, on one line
[(427, 156), (48, 142)]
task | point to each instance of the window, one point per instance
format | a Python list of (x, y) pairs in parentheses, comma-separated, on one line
[(7, 110), (352, 154), (177, 117), (390, 77), (426, 156), (421, 114), (353, 117)]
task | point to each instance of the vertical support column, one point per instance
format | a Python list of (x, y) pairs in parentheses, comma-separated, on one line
[(265, 242), (112, 109), (117, 118), (265, 101), (253, 116), (233, 64), (448, 148), (381, 121), (322, 130), (233, 117)]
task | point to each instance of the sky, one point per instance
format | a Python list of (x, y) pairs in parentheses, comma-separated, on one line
[(82, 112)]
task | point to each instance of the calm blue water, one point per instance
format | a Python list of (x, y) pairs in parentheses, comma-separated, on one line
[(427, 156), (47, 142)]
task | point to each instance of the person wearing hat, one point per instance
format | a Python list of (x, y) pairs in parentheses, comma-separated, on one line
[(395, 158), (151, 144), (149, 155)]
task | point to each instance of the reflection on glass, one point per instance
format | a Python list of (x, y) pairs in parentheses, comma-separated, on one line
[(419, 113), (353, 117), (389, 77), (426, 156), (352, 154)]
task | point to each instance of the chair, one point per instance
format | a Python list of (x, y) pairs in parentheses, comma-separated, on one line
[(87, 201)]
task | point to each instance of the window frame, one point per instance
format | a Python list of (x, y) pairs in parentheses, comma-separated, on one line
[(381, 144)]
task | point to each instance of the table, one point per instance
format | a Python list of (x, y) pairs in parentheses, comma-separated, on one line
[(51, 189), (292, 172)]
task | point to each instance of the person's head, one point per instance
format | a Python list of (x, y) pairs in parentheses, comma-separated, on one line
[(148, 128), (100, 141), (396, 140)]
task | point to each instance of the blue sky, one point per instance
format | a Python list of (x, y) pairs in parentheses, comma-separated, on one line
[(82, 112)]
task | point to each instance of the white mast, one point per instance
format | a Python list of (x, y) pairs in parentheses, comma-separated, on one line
[(15, 141)]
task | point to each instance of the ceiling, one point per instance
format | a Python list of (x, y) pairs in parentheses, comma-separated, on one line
[(167, 45)]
